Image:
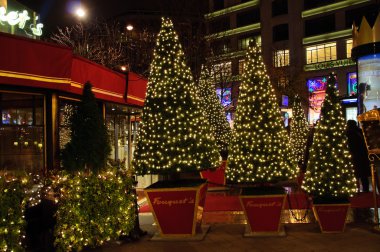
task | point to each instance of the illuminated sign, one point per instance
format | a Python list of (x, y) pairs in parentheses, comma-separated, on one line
[(352, 83), (329, 64), (20, 18)]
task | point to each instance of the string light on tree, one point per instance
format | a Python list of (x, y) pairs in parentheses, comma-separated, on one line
[(298, 131), (259, 151), (330, 170), (214, 110), (174, 134)]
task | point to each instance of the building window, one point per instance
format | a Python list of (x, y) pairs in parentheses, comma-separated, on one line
[(320, 25), (281, 58), (221, 70), (348, 48), (280, 32), (356, 15), (283, 81), (21, 133), (243, 42), (220, 25), (241, 66), (279, 7), (220, 47), (320, 53), (218, 4), (248, 17)]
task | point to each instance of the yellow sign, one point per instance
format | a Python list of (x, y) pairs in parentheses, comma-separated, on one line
[(21, 19)]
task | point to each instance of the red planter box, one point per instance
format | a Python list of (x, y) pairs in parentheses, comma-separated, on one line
[(331, 217), (216, 177), (177, 211), (263, 212)]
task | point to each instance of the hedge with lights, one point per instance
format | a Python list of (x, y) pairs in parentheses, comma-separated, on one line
[(259, 152), (329, 174), (214, 111), (174, 134), (93, 209), (12, 222), (299, 129)]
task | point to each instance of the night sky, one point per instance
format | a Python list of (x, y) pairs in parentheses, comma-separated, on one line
[(60, 13)]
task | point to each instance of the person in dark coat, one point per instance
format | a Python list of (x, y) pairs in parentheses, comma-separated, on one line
[(359, 153)]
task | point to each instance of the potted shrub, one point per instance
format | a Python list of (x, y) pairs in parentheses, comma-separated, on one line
[(329, 176), (259, 155), (174, 138), (220, 127)]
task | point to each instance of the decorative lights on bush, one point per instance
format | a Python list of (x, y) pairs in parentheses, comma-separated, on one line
[(259, 151), (330, 170), (174, 134)]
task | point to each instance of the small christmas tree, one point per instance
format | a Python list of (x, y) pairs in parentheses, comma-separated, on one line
[(174, 135), (259, 150), (329, 171), (89, 146), (298, 131), (214, 111)]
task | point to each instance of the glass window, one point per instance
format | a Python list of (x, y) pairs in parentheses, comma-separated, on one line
[(243, 42), (281, 58), (283, 81), (248, 17), (320, 53), (222, 69), (218, 4), (319, 25), (348, 48), (279, 7), (310, 4), (21, 133), (241, 66)]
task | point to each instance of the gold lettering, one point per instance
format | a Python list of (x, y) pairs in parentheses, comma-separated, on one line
[(158, 201), (261, 205)]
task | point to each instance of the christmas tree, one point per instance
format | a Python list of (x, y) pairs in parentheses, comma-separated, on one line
[(259, 150), (214, 111), (89, 145), (298, 131), (329, 170), (174, 135)]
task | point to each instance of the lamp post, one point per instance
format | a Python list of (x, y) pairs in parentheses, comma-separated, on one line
[(370, 122)]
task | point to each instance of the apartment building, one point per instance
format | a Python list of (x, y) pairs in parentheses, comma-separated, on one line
[(302, 41)]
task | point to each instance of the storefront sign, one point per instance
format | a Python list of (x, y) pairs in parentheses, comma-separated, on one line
[(329, 64), (21, 19)]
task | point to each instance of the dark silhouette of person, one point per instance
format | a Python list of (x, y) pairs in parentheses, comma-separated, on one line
[(309, 142), (359, 154)]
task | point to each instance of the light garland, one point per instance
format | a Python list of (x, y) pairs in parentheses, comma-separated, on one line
[(259, 151), (174, 134), (330, 170)]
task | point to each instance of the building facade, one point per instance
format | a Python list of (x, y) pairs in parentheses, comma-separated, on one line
[(302, 42)]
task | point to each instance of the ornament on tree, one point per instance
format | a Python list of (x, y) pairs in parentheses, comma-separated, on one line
[(174, 134), (259, 151), (330, 171), (214, 111)]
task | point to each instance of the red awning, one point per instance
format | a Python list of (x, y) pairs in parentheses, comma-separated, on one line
[(32, 63)]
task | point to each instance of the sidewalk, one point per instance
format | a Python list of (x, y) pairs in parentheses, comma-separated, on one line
[(228, 237)]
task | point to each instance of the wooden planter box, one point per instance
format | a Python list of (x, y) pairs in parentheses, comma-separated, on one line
[(177, 210), (331, 217), (216, 178), (263, 214)]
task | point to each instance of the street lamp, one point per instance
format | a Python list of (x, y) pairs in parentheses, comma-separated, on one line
[(370, 122), (80, 12), (129, 27)]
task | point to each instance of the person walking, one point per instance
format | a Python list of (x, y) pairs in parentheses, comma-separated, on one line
[(359, 153)]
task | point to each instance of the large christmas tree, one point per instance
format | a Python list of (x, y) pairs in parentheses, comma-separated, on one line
[(259, 151), (329, 170), (298, 131), (214, 111), (174, 135)]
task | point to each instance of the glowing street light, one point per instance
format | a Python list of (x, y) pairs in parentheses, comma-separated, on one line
[(80, 12), (129, 27)]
